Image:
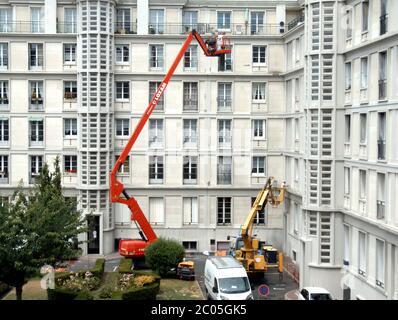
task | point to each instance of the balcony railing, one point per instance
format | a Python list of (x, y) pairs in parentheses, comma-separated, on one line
[(66, 27), (381, 209), (383, 24), (295, 22), (22, 27), (382, 89), (381, 149), (203, 28)]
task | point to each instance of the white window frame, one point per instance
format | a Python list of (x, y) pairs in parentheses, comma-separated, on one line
[(364, 72), (259, 91), (191, 55), (347, 181), (259, 63), (363, 184), (37, 22), (156, 179), (363, 128), (4, 56), (222, 214), (191, 217), (347, 238), (380, 258), (125, 59), (4, 169), (258, 26), (124, 24), (362, 253), (256, 166), (224, 135), (123, 123), (70, 26), (224, 27), (156, 133), (4, 93), (34, 126), (223, 166), (124, 168), (191, 160), (363, 28), (70, 57), (190, 133), (70, 124), (34, 166), (190, 96), (71, 169), (123, 97), (155, 219), (158, 57), (348, 76), (160, 18), (226, 105), (257, 125), (3, 132), (38, 58), (69, 90), (155, 85), (7, 24)]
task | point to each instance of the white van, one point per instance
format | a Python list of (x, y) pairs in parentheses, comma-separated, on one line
[(226, 279)]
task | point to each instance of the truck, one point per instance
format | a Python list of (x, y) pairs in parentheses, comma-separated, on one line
[(226, 279)]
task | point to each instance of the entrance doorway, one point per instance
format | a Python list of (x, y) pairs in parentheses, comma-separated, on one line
[(93, 235)]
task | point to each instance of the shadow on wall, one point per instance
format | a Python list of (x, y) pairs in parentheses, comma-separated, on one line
[(291, 268)]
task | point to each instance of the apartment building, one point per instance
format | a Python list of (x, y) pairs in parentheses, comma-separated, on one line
[(308, 95)]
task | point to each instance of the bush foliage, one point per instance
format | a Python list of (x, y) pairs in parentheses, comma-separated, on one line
[(125, 265), (163, 255)]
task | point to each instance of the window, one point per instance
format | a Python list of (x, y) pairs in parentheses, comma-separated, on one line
[(190, 132), (122, 127), (70, 164), (381, 196), (3, 93), (3, 169), (224, 211), (123, 21), (381, 142), (36, 164), (156, 169), (156, 21), (347, 128), (189, 20), (156, 56), (224, 134), (153, 88), (36, 98), (4, 131), (5, 19), (37, 20), (35, 56), (190, 245), (257, 22), (380, 262), (122, 53), (225, 62), (296, 129), (364, 73), (258, 166), (259, 55), (259, 218), (191, 58), (361, 253), (70, 127), (346, 260), (224, 96), (348, 76), (124, 168), (362, 184), (383, 75), (258, 129), (190, 207), (347, 181), (365, 16), (224, 170), (383, 17), (156, 133), (258, 91), (296, 170), (349, 24), (122, 90), (70, 53), (36, 136), (70, 20), (190, 96), (190, 169), (223, 20), (70, 90), (363, 127), (156, 210), (296, 213), (3, 55)]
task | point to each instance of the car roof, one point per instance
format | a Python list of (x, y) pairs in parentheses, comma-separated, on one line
[(316, 290), (225, 262)]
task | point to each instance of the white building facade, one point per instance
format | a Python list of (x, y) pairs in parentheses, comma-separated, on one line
[(307, 96)]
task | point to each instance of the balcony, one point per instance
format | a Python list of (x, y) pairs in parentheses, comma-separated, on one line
[(295, 22), (381, 209), (381, 149), (66, 27), (22, 27), (125, 28), (224, 104), (383, 24)]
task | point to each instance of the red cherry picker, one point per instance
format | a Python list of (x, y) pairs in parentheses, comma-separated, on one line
[(134, 248)]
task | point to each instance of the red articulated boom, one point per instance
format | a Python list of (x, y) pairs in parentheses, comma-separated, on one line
[(134, 248)]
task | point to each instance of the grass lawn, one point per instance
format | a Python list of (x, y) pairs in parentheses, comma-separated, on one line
[(175, 289), (30, 291)]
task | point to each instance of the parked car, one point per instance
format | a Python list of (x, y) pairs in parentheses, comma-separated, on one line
[(226, 279), (314, 293), (186, 270)]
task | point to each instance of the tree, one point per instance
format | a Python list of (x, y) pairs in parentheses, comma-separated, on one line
[(163, 255), (38, 230)]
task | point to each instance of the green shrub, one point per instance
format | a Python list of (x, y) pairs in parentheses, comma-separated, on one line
[(84, 295), (125, 265), (147, 292), (163, 255), (60, 293), (99, 267), (105, 293)]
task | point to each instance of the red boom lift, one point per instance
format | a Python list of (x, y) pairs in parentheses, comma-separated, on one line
[(134, 248)]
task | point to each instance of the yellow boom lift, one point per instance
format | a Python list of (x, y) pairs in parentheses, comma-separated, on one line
[(249, 254)]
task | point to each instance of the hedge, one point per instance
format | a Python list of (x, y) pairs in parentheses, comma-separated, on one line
[(147, 292), (61, 293), (125, 265)]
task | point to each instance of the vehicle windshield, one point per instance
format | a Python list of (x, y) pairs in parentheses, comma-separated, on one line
[(320, 296), (234, 285)]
